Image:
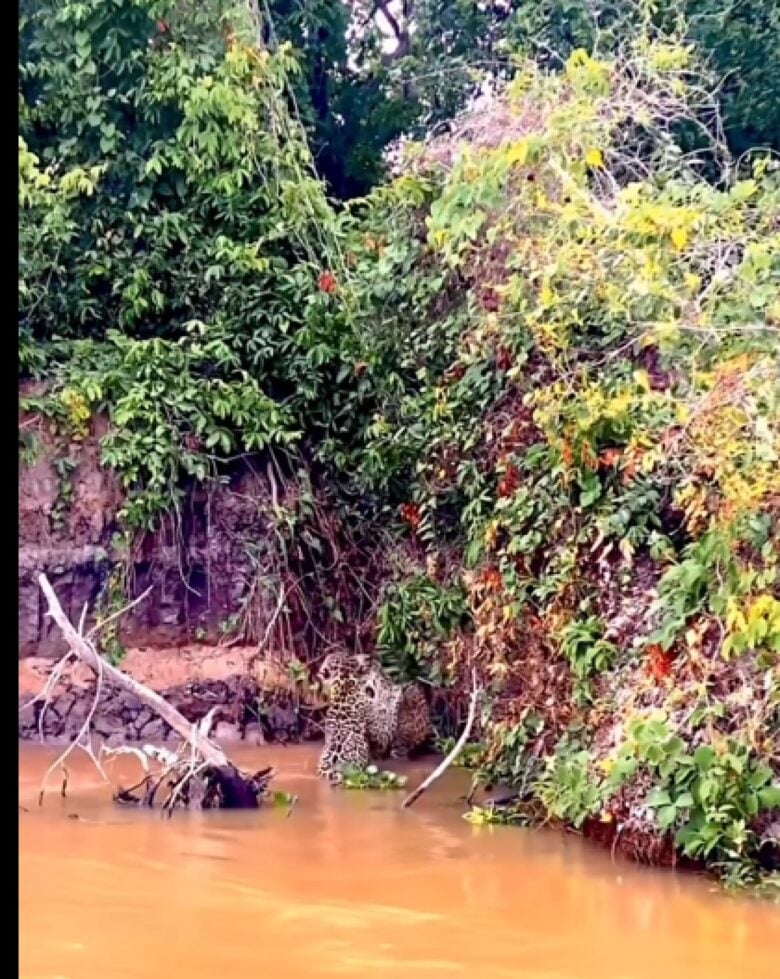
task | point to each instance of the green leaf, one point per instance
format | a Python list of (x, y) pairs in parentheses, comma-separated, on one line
[(590, 490), (659, 797), (769, 797), (704, 757), (666, 816)]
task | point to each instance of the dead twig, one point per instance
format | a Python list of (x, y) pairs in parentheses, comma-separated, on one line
[(114, 615), (476, 695)]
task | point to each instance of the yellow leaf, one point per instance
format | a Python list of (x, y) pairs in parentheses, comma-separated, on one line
[(594, 158), (667, 331), (517, 152), (680, 238), (682, 413), (642, 380)]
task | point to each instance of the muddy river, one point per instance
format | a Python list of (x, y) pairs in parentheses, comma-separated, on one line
[(348, 885)]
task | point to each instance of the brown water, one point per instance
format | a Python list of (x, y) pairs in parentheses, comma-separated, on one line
[(348, 885)]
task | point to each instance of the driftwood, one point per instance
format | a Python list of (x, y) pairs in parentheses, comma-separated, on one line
[(199, 774), (476, 694)]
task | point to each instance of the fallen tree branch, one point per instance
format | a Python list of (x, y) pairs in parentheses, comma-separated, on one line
[(207, 762), (476, 694), (83, 649)]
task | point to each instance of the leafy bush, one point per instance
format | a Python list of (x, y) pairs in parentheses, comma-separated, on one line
[(415, 618), (585, 410), (709, 796), (174, 241)]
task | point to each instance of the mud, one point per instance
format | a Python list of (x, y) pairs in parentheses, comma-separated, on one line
[(197, 564), (258, 701)]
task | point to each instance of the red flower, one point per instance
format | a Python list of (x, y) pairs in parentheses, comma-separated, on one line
[(504, 359), (326, 282), (491, 579), (609, 457), (454, 373), (509, 482), (489, 300), (410, 512), (659, 663)]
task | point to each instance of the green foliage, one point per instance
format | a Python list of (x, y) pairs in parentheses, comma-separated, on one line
[(194, 197), (707, 796), (372, 72), (567, 788), (357, 95), (112, 600), (493, 815), (470, 756), (173, 241), (416, 616), (507, 758), (177, 407), (371, 778), (710, 578), (707, 569), (29, 448), (589, 389), (736, 39), (284, 800), (63, 467), (585, 649)]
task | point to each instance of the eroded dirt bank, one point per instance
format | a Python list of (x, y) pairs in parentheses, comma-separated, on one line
[(200, 570), (258, 701)]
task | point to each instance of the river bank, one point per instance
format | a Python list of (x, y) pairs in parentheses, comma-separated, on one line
[(258, 700)]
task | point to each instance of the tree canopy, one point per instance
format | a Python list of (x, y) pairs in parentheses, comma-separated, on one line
[(374, 71)]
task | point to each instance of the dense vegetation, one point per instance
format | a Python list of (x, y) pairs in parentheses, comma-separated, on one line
[(535, 374), (372, 71), (591, 423)]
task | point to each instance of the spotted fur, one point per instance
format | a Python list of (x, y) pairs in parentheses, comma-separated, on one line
[(399, 720), (368, 715), (350, 696)]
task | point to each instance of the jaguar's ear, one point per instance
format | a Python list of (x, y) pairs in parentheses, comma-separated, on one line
[(328, 667), (370, 689), (362, 661)]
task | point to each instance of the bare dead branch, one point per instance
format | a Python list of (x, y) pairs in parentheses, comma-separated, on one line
[(188, 777), (476, 695), (83, 649)]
